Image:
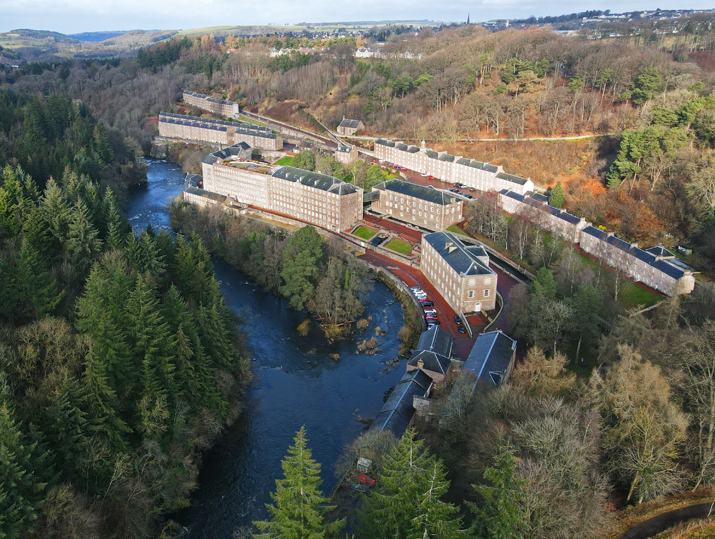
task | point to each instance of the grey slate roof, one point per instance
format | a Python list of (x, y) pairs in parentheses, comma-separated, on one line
[(490, 357), (385, 142), (568, 217), (512, 178), (668, 269), (512, 194), (315, 180), (595, 232), (640, 254), (446, 157), (206, 194), (431, 361), (540, 197), (659, 250), (397, 412), (166, 116), (207, 98), (343, 148), (225, 153), (436, 340), (432, 154), (354, 124), (461, 259), (430, 194)]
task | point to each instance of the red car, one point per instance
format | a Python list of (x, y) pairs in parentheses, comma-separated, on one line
[(430, 177), (430, 317), (365, 480)]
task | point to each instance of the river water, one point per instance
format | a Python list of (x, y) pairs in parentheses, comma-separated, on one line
[(296, 383)]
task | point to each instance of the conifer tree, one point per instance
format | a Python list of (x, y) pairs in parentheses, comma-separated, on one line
[(557, 197), (499, 515), (36, 231), (151, 341), (299, 507), (82, 239), (36, 288), (56, 211), (21, 490), (404, 503)]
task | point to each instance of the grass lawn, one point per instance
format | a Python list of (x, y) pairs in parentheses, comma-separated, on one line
[(456, 230), (633, 295), (364, 232), (285, 161), (399, 246)]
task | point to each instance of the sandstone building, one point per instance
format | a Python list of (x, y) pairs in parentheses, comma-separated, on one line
[(451, 169), (346, 155), (350, 127), (460, 272), (311, 197), (422, 206), (217, 106)]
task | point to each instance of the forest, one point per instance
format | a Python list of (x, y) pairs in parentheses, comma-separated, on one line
[(119, 362)]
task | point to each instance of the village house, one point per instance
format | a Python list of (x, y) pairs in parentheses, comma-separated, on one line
[(350, 127), (346, 154), (398, 411), (491, 359), (426, 207), (460, 272), (451, 169)]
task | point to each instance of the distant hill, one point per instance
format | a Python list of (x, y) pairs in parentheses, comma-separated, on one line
[(43, 34), (95, 37)]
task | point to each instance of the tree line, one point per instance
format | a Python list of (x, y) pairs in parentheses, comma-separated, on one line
[(310, 272)]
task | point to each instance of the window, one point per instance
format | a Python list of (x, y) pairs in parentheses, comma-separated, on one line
[(471, 294), (486, 293)]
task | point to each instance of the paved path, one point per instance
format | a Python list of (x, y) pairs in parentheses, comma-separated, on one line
[(662, 522)]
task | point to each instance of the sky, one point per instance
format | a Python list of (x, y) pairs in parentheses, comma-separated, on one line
[(75, 16)]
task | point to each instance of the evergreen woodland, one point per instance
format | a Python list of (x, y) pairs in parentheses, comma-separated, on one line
[(119, 362)]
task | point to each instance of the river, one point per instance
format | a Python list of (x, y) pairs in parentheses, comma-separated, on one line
[(296, 383)]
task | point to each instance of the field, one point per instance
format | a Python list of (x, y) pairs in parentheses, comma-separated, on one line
[(456, 230), (399, 246), (364, 232), (286, 161)]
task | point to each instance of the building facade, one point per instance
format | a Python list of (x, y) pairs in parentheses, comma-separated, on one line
[(217, 131), (450, 168), (346, 155), (217, 106), (315, 198), (459, 272), (426, 207), (350, 127)]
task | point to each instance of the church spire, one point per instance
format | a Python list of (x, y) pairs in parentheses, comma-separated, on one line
[(467, 19)]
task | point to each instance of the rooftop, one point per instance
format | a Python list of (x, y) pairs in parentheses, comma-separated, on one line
[(353, 124), (512, 178), (343, 148), (659, 250), (226, 153), (490, 357), (436, 340), (430, 194), (315, 180), (397, 412), (464, 260)]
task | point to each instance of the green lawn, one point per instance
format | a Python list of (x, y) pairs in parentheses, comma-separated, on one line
[(456, 230), (285, 161), (399, 246), (633, 295), (364, 232)]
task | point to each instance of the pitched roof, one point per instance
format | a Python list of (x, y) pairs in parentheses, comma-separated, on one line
[(430, 194), (490, 357), (668, 269), (354, 124), (568, 217), (385, 142), (463, 260), (512, 194), (595, 232), (344, 148), (436, 340), (397, 411), (512, 178), (430, 361), (225, 153), (314, 179), (659, 250)]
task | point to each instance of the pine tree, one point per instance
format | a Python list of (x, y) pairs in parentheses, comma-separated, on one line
[(499, 516), (300, 266), (36, 288), (404, 503), (56, 211), (82, 239), (151, 341), (299, 507), (21, 490), (558, 196)]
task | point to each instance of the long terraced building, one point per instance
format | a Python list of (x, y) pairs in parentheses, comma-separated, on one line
[(311, 197), (450, 168), (186, 127), (217, 106)]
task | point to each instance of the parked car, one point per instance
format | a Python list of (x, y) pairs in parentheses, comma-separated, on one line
[(460, 185), (431, 323), (461, 329), (423, 175), (431, 317), (470, 197), (457, 320), (415, 288), (427, 303), (403, 168), (430, 177), (430, 311), (453, 190)]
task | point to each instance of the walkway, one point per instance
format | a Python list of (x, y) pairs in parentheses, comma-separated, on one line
[(662, 522)]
